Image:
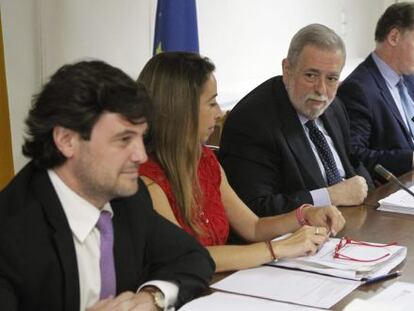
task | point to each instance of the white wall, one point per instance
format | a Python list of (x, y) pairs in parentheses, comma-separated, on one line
[(116, 31), (246, 39), (21, 52), (41, 35)]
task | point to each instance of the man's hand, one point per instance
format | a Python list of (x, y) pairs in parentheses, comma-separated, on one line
[(126, 301), (352, 191), (329, 217)]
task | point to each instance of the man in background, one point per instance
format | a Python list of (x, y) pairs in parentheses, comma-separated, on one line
[(379, 95), (286, 143), (77, 228)]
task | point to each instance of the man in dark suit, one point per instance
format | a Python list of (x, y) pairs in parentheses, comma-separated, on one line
[(77, 228), (379, 95), (267, 149)]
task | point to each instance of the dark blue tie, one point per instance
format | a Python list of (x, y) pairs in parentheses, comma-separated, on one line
[(325, 153)]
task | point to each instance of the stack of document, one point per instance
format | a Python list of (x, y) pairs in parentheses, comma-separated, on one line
[(398, 202), (318, 289), (323, 261)]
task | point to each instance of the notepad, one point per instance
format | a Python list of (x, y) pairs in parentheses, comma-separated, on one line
[(398, 202), (323, 261)]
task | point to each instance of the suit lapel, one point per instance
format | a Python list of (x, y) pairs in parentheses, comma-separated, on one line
[(409, 83), (298, 142), (62, 239), (126, 263)]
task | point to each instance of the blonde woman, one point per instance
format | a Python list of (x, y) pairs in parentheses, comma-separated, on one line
[(188, 186)]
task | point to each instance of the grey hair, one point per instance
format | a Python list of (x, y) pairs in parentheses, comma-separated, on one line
[(317, 35)]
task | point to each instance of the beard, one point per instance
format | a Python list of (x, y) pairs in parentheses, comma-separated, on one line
[(303, 105), (101, 182), (313, 113)]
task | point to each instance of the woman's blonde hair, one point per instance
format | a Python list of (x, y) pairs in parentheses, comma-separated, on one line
[(175, 81)]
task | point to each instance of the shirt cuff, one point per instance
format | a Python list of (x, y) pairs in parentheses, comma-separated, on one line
[(169, 289), (320, 197)]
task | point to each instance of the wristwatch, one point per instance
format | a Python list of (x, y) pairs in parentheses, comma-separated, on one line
[(157, 295)]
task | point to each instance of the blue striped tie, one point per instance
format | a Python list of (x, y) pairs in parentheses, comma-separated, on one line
[(407, 104)]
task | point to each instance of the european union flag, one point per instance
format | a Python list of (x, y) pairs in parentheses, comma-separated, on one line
[(176, 26)]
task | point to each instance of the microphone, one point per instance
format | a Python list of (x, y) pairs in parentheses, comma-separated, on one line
[(390, 177)]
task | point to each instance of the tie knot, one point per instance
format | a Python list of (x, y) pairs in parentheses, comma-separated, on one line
[(104, 223), (311, 125)]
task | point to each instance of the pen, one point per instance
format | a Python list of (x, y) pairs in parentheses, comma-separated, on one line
[(381, 278)]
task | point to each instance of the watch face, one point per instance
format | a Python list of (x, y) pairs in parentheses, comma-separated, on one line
[(157, 295), (159, 299)]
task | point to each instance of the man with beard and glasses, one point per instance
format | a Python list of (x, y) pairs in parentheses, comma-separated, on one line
[(77, 227), (286, 143)]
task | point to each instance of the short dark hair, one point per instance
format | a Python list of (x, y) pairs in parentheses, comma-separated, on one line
[(75, 98), (399, 15)]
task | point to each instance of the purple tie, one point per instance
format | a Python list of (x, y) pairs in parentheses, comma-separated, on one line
[(108, 279)]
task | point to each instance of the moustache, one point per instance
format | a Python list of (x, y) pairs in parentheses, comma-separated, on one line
[(317, 98)]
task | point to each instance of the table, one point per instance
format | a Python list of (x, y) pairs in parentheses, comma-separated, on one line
[(365, 223)]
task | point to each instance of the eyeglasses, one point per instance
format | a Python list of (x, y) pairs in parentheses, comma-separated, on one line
[(347, 241)]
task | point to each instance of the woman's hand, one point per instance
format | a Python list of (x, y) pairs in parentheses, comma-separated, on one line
[(329, 217), (304, 242)]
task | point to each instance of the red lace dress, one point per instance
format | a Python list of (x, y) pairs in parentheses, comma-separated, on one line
[(212, 218)]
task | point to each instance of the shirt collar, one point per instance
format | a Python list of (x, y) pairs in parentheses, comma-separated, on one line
[(390, 76), (82, 215), (304, 119)]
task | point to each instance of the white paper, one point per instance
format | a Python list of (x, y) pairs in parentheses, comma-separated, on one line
[(299, 287), (400, 294), (226, 301), (398, 202), (397, 297), (324, 262), (359, 304)]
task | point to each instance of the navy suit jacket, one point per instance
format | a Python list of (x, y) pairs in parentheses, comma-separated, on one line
[(378, 133), (267, 156), (38, 266)]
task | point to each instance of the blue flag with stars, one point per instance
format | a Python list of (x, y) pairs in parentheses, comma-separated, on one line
[(176, 26)]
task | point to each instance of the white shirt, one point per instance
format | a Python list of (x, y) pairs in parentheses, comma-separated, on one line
[(82, 217), (320, 196)]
